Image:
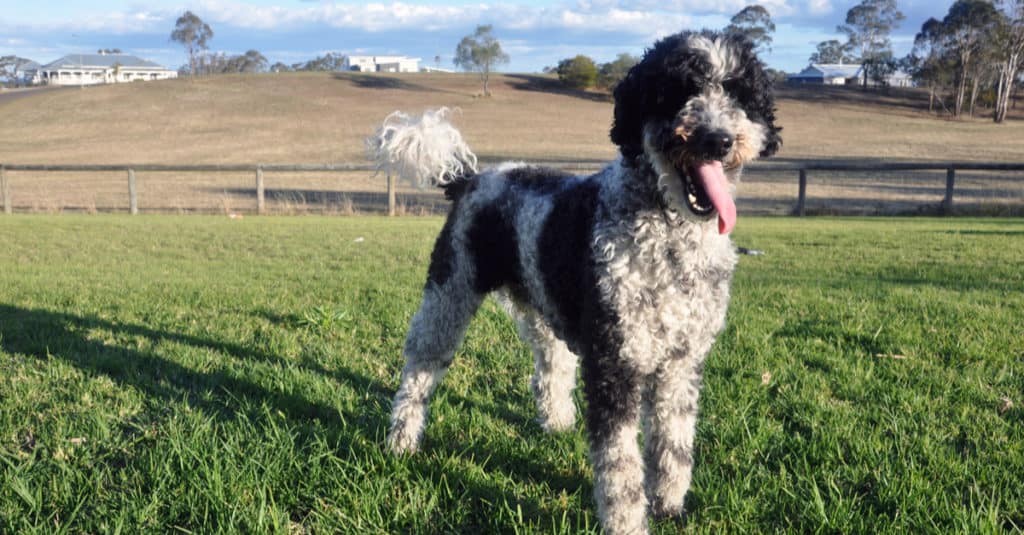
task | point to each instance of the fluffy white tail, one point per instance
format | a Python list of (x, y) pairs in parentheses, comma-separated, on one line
[(426, 150)]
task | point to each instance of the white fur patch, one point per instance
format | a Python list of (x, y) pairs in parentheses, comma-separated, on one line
[(425, 150), (723, 61)]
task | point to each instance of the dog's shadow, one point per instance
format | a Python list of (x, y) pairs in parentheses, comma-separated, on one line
[(221, 392)]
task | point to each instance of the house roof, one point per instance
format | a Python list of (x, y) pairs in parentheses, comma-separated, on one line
[(829, 70), (77, 61)]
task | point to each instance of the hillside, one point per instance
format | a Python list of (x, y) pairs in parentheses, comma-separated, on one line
[(320, 117)]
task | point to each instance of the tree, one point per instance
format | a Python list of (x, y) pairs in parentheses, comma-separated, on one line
[(193, 34), (328, 62), (611, 73), (480, 53), (931, 63), (755, 22), (1008, 38), (867, 29), (879, 67), (579, 72), (832, 51), (251, 61), (10, 67), (280, 67), (964, 30)]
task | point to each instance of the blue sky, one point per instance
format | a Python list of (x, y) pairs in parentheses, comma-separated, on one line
[(535, 34)]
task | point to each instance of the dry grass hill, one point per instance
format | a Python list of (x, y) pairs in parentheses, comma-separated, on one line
[(323, 118), (319, 118)]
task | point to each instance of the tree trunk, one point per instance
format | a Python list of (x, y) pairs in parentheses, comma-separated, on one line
[(931, 98), (1000, 88), (1006, 87), (958, 100), (974, 95)]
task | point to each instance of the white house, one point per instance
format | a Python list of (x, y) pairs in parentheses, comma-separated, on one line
[(381, 64), (92, 69), (842, 74), (827, 74)]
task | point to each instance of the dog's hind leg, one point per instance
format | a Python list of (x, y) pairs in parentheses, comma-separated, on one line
[(435, 332), (670, 407), (554, 374)]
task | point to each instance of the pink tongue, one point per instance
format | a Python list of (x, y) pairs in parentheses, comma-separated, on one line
[(712, 178)]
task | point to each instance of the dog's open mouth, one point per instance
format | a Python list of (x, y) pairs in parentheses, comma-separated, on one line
[(696, 198), (707, 190)]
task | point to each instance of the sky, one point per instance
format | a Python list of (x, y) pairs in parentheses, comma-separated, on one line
[(534, 34)]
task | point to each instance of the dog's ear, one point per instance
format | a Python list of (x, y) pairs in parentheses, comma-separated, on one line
[(627, 128), (752, 88), (654, 89)]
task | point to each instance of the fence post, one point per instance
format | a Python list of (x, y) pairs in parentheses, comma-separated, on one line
[(802, 199), (133, 198), (261, 203), (391, 195), (947, 201), (5, 190)]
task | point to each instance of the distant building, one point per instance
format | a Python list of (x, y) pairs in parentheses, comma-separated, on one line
[(92, 69), (842, 74), (827, 74), (381, 64)]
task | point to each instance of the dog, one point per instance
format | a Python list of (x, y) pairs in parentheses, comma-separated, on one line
[(625, 273)]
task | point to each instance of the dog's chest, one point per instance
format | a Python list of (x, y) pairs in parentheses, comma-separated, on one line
[(668, 284)]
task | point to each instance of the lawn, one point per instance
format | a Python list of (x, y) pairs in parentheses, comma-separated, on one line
[(201, 374)]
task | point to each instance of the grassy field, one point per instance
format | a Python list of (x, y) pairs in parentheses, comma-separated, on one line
[(207, 375)]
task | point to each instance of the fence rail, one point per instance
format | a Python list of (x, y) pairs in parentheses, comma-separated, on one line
[(802, 169)]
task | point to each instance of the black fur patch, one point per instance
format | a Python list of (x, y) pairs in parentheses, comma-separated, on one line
[(443, 255), (566, 262), (455, 189), (494, 245), (612, 387), (542, 180)]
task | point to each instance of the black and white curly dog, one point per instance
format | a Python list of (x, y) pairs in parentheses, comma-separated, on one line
[(625, 272)]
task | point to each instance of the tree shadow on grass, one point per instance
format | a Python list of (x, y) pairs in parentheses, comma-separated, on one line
[(384, 82), (221, 392), (546, 84)]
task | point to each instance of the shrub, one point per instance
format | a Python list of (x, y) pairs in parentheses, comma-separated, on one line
[(579, 72), (614, 71)]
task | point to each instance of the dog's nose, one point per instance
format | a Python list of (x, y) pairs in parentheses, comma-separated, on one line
[(717, 144)]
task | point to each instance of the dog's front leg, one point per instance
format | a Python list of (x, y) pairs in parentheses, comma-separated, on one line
[(671, 420), (613, 409)]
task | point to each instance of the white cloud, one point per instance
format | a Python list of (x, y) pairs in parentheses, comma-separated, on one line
[(819, 7), (381, 17)]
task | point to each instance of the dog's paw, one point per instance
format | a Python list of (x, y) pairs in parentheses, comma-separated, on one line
[(401, 443), (558, 422), (664, 509)]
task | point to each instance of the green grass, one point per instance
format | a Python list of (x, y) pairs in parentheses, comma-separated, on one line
[(194, 374)]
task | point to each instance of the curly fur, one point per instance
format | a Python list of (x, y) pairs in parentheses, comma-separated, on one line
[(623, 273), (427, 150)]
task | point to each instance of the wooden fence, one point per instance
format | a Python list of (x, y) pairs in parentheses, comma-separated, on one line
[(804, 171)]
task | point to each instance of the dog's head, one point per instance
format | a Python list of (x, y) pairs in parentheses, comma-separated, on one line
[(697, 107)]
